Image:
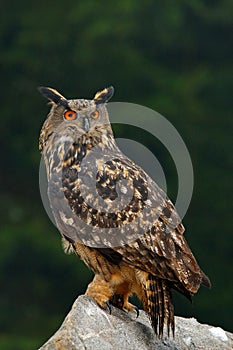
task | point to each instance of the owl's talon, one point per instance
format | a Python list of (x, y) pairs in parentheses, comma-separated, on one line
[(108, 307), (132, 308), (136, 309)]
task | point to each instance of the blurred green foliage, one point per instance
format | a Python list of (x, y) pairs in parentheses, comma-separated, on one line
[(174, 57)]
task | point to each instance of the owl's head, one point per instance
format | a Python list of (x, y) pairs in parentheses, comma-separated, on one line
[(81, 114)]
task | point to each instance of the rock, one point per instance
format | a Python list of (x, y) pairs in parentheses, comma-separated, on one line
[(88, 327)]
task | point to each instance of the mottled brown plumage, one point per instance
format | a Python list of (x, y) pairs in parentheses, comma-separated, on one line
[(112, 214)]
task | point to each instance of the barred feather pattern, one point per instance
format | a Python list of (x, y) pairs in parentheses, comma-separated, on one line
[(158, 305)]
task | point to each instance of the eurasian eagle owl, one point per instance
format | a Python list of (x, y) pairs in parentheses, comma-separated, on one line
[(136, 246)]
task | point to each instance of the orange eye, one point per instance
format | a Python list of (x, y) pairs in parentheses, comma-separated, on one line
[(95, 115), (70, 115)]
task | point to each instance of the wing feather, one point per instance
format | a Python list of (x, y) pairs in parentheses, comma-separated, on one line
[(149, 232)]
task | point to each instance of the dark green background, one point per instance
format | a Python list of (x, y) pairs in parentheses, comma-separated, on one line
[(172, 56)]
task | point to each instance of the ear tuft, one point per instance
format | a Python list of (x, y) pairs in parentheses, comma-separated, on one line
[(104, 96), (53, 95)]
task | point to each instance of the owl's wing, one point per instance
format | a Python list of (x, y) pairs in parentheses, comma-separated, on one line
[(112, 205), (160, 248)]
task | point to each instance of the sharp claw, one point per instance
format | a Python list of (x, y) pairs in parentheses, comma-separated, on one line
[(137, 310), (109, 307)]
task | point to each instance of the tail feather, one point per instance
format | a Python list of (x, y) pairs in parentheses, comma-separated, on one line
[(158, 305)]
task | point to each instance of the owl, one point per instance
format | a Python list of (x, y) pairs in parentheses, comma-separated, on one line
[(112, 214)]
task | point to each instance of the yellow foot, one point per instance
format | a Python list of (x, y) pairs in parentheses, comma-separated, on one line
[(100, 291)]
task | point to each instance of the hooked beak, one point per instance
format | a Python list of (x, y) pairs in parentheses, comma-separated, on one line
[(86, 124)]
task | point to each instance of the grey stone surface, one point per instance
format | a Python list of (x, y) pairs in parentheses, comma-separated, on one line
[(88, 327)]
